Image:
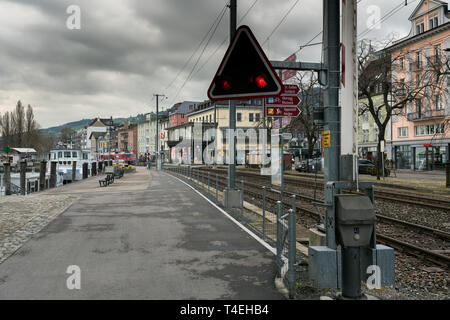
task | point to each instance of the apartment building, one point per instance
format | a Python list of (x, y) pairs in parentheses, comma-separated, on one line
[(421, 134)]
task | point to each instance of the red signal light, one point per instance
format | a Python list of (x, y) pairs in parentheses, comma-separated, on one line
[(226, 85), (261, 82)]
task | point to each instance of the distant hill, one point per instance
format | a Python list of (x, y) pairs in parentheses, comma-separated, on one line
[(77, 125)]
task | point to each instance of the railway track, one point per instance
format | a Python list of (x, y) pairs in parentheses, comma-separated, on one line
[(420, 252), (387, 195)]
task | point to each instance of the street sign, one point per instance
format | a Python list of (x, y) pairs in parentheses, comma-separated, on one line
[(290, 89), (283, 100), (6, 149), (326, 139), (279, 111), (245, 72)]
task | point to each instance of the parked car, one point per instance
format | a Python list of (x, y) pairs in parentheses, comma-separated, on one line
[(315, 165), (367, 167)]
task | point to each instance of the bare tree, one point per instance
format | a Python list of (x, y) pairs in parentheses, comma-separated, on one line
[(310, 96), (376, 77)]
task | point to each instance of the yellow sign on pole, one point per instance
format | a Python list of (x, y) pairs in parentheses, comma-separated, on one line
[(326, 140)]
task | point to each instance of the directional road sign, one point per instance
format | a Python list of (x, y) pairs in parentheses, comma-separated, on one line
[(283, 100), (278, 111), (290, 89)]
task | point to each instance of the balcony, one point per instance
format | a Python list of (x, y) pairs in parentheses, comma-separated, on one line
[(426, 115)]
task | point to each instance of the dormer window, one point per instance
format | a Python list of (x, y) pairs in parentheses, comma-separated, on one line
[(420, 28), (434, 22)]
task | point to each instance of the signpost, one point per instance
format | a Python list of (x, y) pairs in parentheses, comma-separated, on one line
[(283, 100), (280, 111)]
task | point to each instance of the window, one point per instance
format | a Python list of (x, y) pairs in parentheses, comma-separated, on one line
[(67, 154), (437, 54), (74, 154), (402, 63), (59, 154), (403, 132), (420, 28), (365, 135), (429, 129), (257, 117), (419, 107), (434, 22), (239, 116), (419, 59), (438, 102), (250, 117), (210, 118)]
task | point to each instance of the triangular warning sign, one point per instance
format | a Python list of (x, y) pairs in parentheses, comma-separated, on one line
[(245, 72)]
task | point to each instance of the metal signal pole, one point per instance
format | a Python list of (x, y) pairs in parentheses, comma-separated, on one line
[(232, 117), (158, 160)]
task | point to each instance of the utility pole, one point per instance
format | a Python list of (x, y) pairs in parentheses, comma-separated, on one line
[(232, 105), (158, 160), (331, 43)]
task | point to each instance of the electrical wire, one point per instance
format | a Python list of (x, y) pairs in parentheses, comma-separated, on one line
[(225, 39), (393, 11), (197, 48), (281, 21), (200, 56)]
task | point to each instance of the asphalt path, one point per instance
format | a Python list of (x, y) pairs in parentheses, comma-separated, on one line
[(147, 236)]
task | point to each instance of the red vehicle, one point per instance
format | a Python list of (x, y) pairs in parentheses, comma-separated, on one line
[(119, 158)]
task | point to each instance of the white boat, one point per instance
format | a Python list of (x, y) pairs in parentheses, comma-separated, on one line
[(65, 159)]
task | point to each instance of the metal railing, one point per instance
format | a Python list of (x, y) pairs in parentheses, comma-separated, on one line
[(272, 228)]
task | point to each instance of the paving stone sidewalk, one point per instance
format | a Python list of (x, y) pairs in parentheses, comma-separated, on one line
[(23, 216)]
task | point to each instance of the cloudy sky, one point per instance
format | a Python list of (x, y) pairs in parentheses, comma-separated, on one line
[(128, 50)]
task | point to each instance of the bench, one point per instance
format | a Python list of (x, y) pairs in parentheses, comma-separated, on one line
[(105, 182), (119, 174)]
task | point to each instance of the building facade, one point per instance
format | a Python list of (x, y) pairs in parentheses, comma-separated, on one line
[(146, 131), (127, 139), (421, 134)]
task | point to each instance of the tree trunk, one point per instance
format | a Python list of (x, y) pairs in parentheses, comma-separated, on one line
[(380, 154)]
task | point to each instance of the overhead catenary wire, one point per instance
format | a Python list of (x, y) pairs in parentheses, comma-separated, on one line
[(281, 21), (225, 39), (197, 48), (388, 15), (199, 57)]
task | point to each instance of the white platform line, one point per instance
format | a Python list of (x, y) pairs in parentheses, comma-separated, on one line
[(265, 244)]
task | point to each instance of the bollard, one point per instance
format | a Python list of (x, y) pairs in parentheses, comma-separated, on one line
[(217, 187), (74, 171), (53, 174), (94, 168), (208, 183), (279, 237), (447, 175), (85, 170), (292, 251), (264, 212), (43, 170), (7, 179), (294, 203), (242, 199), (23, 173)]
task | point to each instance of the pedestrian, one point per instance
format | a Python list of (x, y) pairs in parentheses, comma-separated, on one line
[(148, 165)]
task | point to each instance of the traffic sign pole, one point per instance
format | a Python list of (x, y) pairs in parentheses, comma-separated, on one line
[(232, 115)]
